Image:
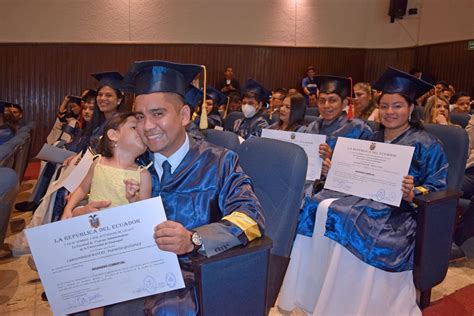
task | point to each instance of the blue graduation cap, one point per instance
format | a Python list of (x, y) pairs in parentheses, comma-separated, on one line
[(75, 99), (193, 97), (151, 76), (334, 84), (218, 97), (255, 87), (110, 78), (396, 81)]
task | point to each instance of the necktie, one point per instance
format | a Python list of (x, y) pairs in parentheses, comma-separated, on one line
[(166, 176)]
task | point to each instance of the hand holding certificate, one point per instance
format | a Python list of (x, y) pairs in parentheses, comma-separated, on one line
[(309, 142), (104, 257), (369, 169)]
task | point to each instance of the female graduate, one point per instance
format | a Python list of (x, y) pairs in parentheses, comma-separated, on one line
[(292, 113), (356, 255)]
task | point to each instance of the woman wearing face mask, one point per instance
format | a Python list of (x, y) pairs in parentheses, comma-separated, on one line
[(292, 113), (359, 252), (253, 100), (437, 110), (364, 105)]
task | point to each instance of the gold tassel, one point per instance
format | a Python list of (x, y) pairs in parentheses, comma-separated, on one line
[(227, 107), (203, 121)]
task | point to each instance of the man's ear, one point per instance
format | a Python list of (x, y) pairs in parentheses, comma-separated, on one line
[(112, 135), (185, 113)]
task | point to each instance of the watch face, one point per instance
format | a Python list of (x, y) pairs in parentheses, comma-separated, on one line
[(196, 239)]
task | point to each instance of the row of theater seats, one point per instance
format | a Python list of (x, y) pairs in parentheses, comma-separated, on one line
[(260, 267), (13, 161)]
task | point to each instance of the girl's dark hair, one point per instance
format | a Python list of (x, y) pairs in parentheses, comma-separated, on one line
[(297, 111), (115, 122), (415, 119)]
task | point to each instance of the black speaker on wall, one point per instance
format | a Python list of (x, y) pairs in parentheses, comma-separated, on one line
[(397, 9)]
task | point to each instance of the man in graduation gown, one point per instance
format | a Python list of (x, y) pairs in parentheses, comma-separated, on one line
[(209, 201)]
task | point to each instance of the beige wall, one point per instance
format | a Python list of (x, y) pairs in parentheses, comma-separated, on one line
[(301, 23)]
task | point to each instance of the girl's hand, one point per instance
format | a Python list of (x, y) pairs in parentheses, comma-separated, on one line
[(407, 188), (325, 151), (441, 119), (132, 187)]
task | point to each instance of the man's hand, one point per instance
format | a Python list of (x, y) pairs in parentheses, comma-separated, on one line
[(172, 236), (93, 206), (325, 151)]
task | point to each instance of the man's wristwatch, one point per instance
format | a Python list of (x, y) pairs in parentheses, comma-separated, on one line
[(196, 240)]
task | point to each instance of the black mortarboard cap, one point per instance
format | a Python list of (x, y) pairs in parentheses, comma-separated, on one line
[(110, 78), (255, 87), (2, 106), (193, 97), (396, 81), (334, 84), (218, 97), (74, 99), (151, 76), (89, 93)]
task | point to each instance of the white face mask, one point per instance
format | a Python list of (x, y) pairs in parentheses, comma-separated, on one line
[(248, 110)]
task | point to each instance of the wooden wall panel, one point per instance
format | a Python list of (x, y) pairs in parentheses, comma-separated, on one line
[(37, 76)]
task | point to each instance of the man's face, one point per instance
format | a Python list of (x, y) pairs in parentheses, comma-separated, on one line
[(276, 101), (311, 73), (464, 104), (161, 120), (313, 100), (229, 73)]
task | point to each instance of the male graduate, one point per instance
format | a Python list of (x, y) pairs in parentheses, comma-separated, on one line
[(209, 201)]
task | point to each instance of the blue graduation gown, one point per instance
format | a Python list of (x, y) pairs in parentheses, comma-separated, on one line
[(213, 120), (246, 127), (206, 186), (340, 127), (382, 235)]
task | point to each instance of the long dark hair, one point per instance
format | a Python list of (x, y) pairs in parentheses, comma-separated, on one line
[(415, 119), (115, 122)]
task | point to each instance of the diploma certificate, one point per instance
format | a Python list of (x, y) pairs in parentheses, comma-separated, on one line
[(309, 142), (104, 257), (369, 169)]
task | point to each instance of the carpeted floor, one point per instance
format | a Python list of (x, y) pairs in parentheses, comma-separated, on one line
[(459, 303)]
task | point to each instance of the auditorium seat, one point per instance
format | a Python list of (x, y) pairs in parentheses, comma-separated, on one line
[(278, 171), (224, 139), (460, 119), (437, 214), (230, 119), (8, 191)]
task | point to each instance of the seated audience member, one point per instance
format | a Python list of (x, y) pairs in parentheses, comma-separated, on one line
[(16, 111), (255, 117), (364, 105), (448, 93), (213, 100), (313, 100), (276, 102), (308, 84), (228, 84), (234, 104), (7, 131), (218, 209), (440, 86), (437, 110), (461, 102), (355, 255), (69, 108), (291, 114)]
